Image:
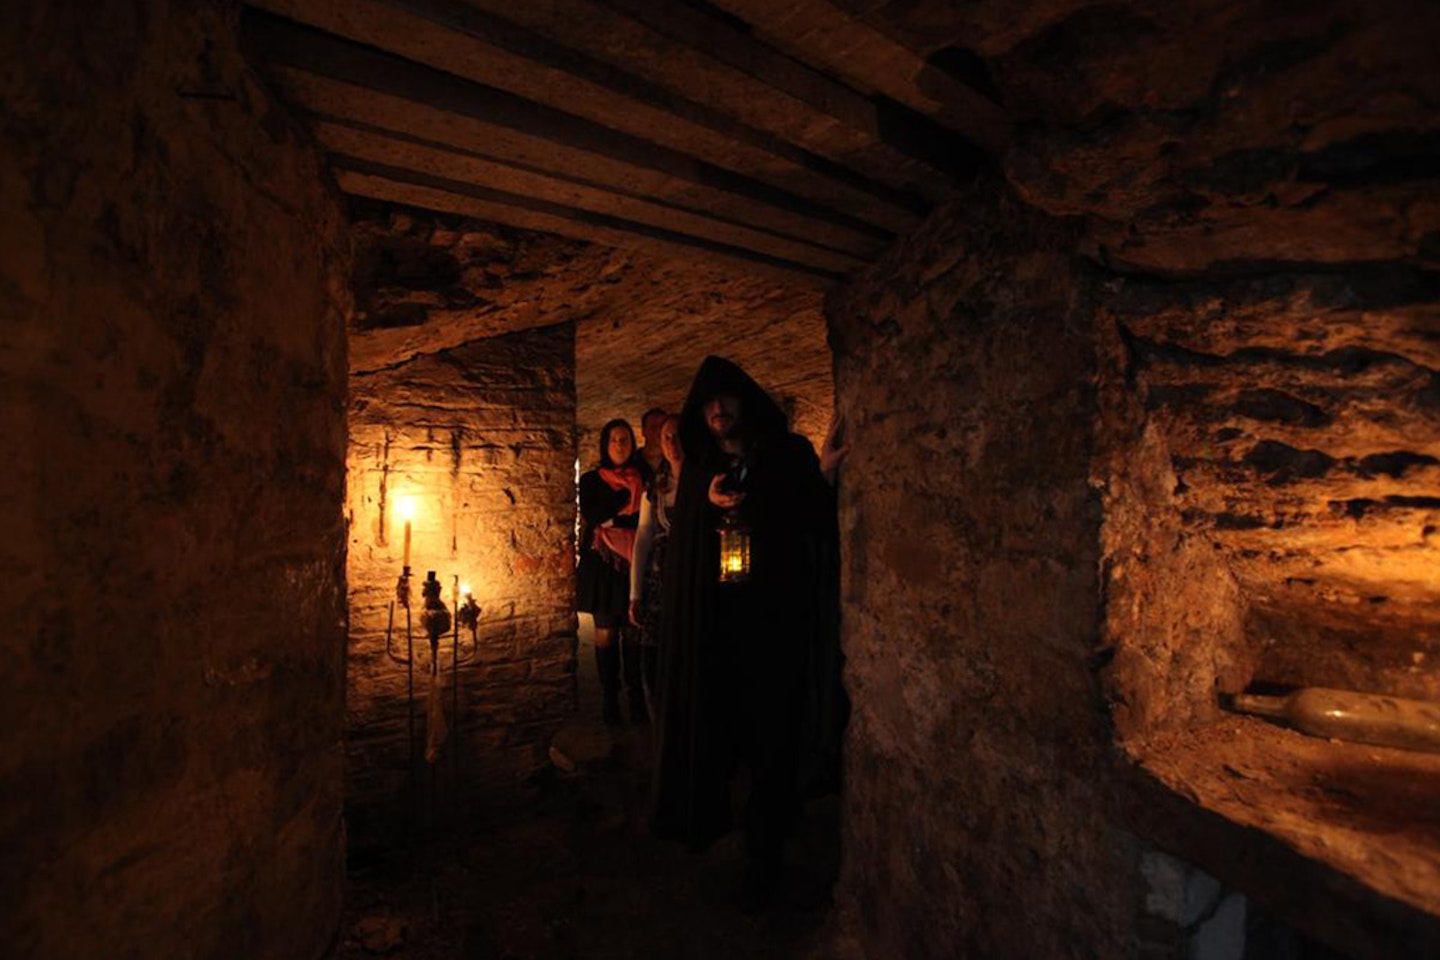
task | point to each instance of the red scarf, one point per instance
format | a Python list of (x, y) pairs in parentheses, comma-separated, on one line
[(617, 544)]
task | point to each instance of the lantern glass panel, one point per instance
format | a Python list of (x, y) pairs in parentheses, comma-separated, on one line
[(734, 553)]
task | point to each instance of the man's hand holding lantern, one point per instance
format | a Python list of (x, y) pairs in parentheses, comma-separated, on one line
[(722, 495)]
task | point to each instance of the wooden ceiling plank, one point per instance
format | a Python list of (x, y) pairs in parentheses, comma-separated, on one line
[(313, 51), (395, 150), (362, 178), (703, 57), (325, 96), (827, 37), (460, 39)]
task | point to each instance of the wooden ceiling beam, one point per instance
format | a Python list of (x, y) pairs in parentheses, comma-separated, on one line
[(457, 38), (398, 151), (706, 58), (396, 185), (826, 36), (323, 97), (326, 74)]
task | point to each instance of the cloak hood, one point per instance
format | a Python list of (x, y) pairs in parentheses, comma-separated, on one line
[(762, 422)]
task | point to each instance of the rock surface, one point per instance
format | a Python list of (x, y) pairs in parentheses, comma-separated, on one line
[(426, 282), (1092, 503), (174, 279), (1301, 413), (977, 758), (1206, 135)]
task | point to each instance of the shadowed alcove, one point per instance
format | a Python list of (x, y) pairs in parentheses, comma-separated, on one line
[(1133, 312)]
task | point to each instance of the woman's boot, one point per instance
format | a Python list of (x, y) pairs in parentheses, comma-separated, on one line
[(634, 682), (607, 664)]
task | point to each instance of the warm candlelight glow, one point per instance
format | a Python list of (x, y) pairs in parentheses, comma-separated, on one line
[(465, 590), (405, 510)]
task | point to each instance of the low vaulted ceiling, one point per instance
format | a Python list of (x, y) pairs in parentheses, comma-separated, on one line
[(798, 138), (426, 282)]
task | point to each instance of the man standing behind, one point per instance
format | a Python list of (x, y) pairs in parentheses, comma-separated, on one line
[(650, 425), (749, 670)]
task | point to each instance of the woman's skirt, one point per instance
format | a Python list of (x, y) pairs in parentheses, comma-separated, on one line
[(600, 587)]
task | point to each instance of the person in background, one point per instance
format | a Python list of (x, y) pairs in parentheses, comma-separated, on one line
[(650, 545), (650, 425), (610, 499)]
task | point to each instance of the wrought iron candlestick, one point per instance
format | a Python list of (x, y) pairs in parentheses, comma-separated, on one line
[(402, 597), (435, 618), (467, 615)]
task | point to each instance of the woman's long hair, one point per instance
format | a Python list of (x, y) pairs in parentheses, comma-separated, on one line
[(605, 432), (664, 475)]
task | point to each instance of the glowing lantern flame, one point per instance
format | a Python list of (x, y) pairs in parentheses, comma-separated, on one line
[(734, 550)]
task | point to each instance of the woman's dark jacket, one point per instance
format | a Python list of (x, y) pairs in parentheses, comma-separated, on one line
[(599, 586)]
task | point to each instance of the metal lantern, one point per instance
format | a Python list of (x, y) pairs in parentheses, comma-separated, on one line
[(734, 549)]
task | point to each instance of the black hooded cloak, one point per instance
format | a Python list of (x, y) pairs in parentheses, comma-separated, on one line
[(748, 672)]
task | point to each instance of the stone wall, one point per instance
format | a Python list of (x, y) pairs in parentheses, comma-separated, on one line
[(481, 439), (1258, 186), (979, 812), (1118, 526), (1299, 414), (173, 273), (1239, 487), (1174, 614)]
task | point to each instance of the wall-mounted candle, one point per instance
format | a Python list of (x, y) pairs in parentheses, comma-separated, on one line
[(405, 510)]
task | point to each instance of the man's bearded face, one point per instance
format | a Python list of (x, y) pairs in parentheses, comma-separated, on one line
[(722, 416)]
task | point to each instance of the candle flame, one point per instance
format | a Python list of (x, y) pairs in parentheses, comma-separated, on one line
[(465, 590), (405, 508)]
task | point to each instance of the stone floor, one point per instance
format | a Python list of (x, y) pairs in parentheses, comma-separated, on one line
[(575, 876)]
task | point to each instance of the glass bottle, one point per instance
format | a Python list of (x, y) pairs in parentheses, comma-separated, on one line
[(1347, 715)]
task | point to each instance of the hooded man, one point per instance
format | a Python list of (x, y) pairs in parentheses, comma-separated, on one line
[(749, 670)]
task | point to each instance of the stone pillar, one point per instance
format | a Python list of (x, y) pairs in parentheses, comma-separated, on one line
[(979, 803), (173, 278)]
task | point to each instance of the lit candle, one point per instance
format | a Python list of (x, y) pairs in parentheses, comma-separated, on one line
[(405, 509)]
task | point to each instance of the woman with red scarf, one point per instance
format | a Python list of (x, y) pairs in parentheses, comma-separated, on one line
[(610, 500)]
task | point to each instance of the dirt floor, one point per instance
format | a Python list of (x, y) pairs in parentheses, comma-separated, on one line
[(573, 875)]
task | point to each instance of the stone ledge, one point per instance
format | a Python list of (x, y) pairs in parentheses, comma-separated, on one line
[(1341, 839)]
